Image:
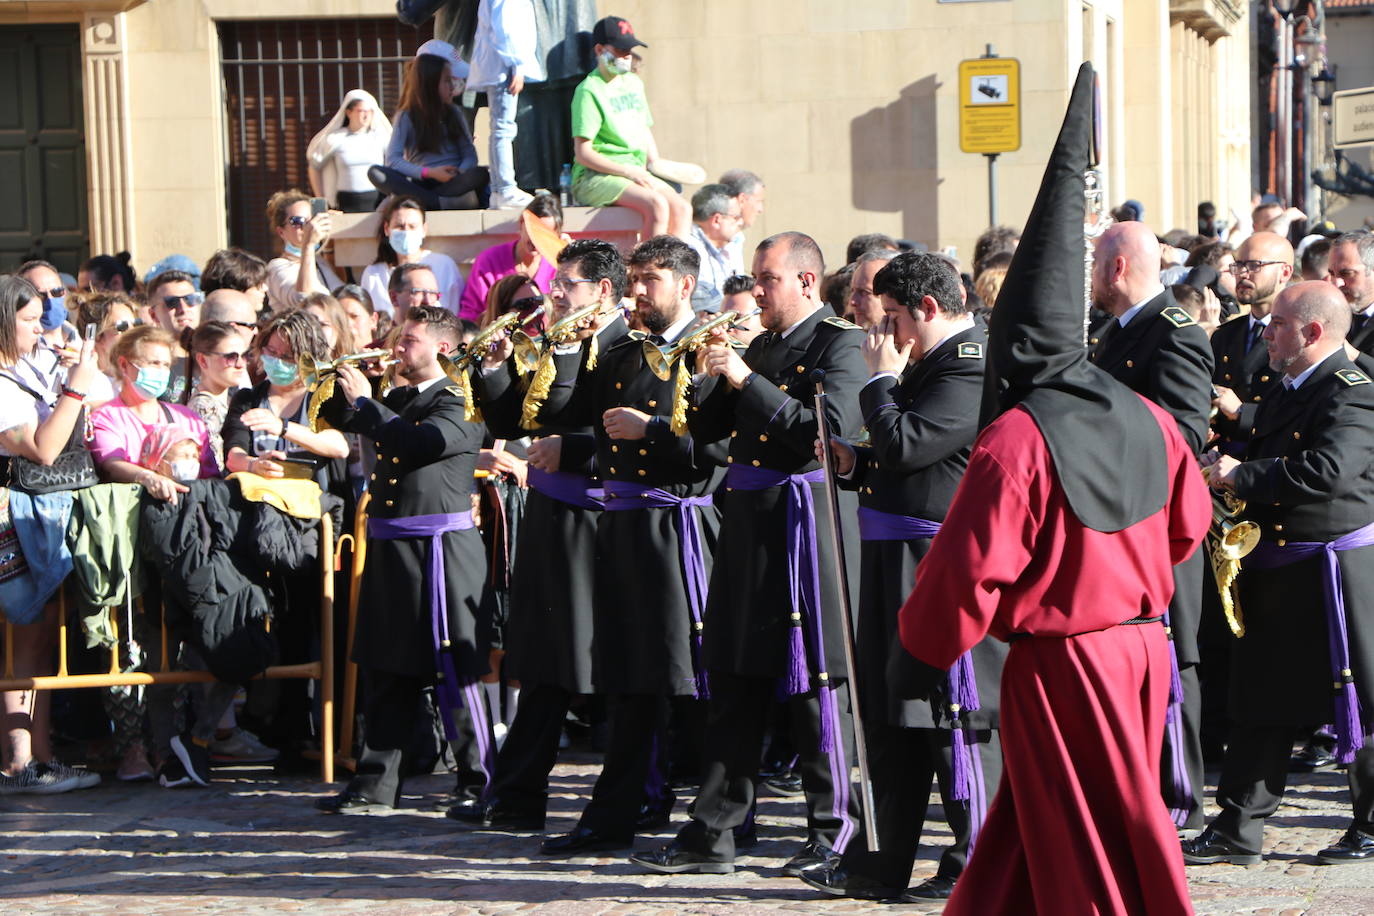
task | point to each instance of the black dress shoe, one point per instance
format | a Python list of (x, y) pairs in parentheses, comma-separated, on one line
[(788, 784), (1208, 849), (582, 841), (1355, 846), (494, 816), (1310, 759), (655, 817), (350, 802), (832, 878), (672, 859), (935, 888), (811, 854)]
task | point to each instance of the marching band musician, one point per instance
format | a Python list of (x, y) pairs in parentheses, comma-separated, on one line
[(764, 637), (655, 540), (922, 417), (1308, 481), (551, 629), (1154, 347), (422, 585)]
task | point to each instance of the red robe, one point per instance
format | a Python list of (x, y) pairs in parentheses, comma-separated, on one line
[(1078, 824)]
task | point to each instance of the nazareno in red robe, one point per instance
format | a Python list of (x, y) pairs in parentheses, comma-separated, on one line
[(1078, 824)]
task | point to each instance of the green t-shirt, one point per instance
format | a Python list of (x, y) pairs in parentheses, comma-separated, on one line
[(614, 116)]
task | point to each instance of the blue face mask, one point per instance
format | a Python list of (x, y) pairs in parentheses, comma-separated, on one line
[(152, 381), (295, 251), (279, 372), (54, 313), (406, 241)]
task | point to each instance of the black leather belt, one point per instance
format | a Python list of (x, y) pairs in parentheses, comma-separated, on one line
[(1133, 622)]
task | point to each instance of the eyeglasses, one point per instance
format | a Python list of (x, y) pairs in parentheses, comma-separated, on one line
[(177, 303), (246, 325), (425, 293), (57, 292), (297, 221), (1249, 267), (564, 283), (229, 357)]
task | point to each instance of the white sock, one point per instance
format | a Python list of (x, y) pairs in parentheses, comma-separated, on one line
[(512, 704), (493, 692)]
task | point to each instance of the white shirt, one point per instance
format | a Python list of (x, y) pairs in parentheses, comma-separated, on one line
[(505, 39), (1293, 384), (18, 407), (281, 281), (377, 275), (353, 152), (718, 264), (1130, 313), (676, 329)]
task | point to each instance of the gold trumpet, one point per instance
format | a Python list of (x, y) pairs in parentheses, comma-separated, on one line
[(508, 325), (1229, 540), (566, 328), (561, 332), (318, 376), (661, 360)]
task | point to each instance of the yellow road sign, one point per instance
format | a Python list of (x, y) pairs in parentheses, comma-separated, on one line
[(990, 105)]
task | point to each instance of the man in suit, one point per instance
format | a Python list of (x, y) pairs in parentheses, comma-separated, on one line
[(426, 566), (1241, 373), (773, 621), (921, 408), (1308, 481), (1351, 270), (1156, 349)]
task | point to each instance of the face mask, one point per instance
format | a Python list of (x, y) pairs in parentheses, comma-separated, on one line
[(54, 312), (186, 470), (279, 371), (151, 381), (406, 241), (616, 64), (295, 251)]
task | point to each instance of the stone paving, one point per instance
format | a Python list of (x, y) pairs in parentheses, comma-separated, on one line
[(252, 843)]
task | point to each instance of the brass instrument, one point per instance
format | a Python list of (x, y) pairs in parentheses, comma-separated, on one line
[(508, 325), (661, 360), (1229, 540), (562, 331), (566, 328), (318, 376)]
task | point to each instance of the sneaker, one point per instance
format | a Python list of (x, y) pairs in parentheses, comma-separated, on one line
[(195, 757), (241, 746), (173, 774), (514, 199), (85, 779), (135, 766), (39, 779)]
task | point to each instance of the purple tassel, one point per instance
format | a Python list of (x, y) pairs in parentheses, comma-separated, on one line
[(1349, 731), (962, 766), (1175, 685), (703, 685), (829, 716), (963, 688), (798, 681)]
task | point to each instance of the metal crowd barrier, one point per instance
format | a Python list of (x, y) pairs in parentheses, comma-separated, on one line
[(322, 670)]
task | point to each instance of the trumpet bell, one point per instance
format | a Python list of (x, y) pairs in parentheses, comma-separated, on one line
[(526, 351), (451, 368), (1236, 538), (659, 362)]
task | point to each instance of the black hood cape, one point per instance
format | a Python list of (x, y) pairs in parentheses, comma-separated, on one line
[(1107, 448)]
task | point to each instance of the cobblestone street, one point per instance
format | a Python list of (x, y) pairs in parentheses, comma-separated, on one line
[(253, 843)]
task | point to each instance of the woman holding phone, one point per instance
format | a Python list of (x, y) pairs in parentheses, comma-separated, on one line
[(303, 225)]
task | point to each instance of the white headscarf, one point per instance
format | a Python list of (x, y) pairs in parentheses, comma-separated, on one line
[(317, 153)]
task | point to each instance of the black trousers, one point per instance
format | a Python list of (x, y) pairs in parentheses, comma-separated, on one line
[(1255, 774), (521, 782), (902, 762), (737, 718), (430, 193), (637, 725), (1181, 771), (391, 714)]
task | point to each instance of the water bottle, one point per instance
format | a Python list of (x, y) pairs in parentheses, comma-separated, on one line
[(565, 195)]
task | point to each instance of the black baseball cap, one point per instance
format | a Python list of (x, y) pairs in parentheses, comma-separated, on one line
[(616, 32)]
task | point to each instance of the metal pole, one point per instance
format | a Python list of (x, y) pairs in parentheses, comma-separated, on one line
[(992, 188), (832, 501)]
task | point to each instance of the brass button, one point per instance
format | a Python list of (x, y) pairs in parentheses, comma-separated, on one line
[(391, 502), (653, 403), (1226, 359), (868, 490), (782, 387), (755, 462), (1227, 376), (1277, 526), (612, 470), (1130, 364), (1296, 434), (763, 437), (1264, 378), (619, 385), (395, 460), (642, 472), (1093, 341), (644, 451), (801, 369), (730, 459), (1256, 399), (615, 448), (734, 433), (1281, 542), (695, 407), (374, 477), (393, 481)]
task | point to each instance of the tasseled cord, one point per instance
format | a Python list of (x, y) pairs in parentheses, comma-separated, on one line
[(540, 386), (963, 694), (683, 383), (798, 680), (471, 412)]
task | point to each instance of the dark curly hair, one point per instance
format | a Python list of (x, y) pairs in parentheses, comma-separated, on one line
[(909, 277), (596, 260)]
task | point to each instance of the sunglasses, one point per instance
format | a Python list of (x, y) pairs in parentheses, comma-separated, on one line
[(57, 292), (529, 302), (188, 301), (246, 325), (297, 221), (229, 357), (123, 325)]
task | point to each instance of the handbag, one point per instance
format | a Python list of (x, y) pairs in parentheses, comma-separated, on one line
[(73, 469)]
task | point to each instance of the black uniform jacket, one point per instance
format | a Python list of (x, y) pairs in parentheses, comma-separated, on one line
[(771, 423), (1308, 476), (643, 620), (1247, 373), (1163, 355), (1362, 338), (426, 455)]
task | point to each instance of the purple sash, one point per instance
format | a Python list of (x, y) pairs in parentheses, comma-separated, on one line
[(433, 527), (623, 497), (573, 489), (804, 581), (876, 525), (1350, 733)]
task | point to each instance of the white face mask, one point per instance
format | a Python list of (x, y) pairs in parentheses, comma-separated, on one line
[(616, 64), (186, 470), (406, 241)]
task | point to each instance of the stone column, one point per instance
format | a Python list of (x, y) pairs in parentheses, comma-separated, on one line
[(106, 96)]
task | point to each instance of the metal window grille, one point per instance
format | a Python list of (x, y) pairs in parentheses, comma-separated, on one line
[(283, 79)]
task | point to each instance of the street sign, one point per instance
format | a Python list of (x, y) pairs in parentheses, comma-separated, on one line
[(990, 105), (1352, 117)]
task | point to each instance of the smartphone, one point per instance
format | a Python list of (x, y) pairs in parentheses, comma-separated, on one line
[(296, 468), (318, 205), (90, 331)]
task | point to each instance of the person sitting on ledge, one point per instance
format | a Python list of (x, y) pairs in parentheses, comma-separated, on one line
[(431, 156)]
